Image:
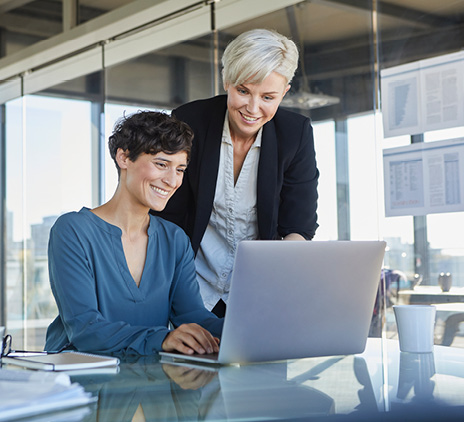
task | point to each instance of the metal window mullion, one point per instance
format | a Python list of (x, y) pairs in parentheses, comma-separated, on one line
[(3, 215), (421, 250), (343, 182)]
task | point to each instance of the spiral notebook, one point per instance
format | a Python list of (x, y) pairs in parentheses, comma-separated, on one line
[(63, 361)]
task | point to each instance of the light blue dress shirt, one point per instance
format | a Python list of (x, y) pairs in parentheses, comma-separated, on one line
[(233, 218), (100, 306)]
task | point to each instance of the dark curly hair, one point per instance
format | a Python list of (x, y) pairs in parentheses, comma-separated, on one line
[(150, 132)]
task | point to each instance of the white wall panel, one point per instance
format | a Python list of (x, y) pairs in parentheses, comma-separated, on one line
[(10, 90), (186, 27), (233, 12)]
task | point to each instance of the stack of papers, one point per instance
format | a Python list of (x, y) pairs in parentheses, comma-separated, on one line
[(26, 393)]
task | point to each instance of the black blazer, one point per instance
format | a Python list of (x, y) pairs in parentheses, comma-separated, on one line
[(287, 173)]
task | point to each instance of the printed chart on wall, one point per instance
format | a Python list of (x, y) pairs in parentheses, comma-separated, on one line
[(424, 178), (423, 96)]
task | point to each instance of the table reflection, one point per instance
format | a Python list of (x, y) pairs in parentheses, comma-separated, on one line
[(263, 391), (432, 379), (143, 391), (415, 376), (353, 386), (293, 389)]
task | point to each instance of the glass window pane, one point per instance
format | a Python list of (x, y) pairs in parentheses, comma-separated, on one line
[(364, 162), (14, 226), (398, 232), (324, 140), (54, 157), (440, 135), (432, 240)]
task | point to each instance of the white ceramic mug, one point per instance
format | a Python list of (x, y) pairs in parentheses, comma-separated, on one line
[(415, 324)]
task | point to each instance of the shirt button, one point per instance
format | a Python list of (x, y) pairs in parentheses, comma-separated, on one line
[(231, 232), (223, 275)]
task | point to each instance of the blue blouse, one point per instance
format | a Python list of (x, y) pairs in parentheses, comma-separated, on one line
[(101, 309)]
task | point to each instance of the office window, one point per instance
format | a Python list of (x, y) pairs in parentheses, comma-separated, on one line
[(364, 177), (428, 245), (48, 173), (324, 140), (15, 245)]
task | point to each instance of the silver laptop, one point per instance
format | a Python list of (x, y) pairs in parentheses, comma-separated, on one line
[(293, 299)]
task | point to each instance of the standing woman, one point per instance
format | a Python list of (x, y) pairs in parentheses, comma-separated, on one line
[(120, 275), (253, 171)]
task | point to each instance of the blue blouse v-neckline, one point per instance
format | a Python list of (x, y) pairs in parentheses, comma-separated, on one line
[(138, 292)]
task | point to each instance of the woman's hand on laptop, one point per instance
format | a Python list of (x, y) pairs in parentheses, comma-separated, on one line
[(189, 339)]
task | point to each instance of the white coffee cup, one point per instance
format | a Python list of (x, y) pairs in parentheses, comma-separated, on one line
[(415, 324)]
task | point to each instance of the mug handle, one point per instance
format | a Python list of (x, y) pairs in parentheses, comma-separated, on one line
[(6, 345)]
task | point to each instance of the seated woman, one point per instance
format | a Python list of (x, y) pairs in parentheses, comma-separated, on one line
[(120, 275)]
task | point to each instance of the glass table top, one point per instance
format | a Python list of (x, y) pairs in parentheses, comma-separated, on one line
[(382, 379)]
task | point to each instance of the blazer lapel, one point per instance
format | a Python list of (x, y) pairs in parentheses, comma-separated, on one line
[(267, 181), (209, 165)]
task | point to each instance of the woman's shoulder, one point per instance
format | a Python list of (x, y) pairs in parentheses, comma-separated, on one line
[(291, 128), (200, 106), (68, 218), (73, 220), (290, 118)]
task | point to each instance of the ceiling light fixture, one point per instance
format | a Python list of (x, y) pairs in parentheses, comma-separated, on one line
[(304, 98)]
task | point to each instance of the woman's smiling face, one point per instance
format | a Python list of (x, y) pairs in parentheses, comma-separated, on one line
[(250, 106), (153, 179)]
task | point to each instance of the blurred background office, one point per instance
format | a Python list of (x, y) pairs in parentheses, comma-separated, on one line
[(70, 68)]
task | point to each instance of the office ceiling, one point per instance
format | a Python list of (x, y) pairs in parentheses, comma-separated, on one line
[(23, 22), (43, 18), (11, 5), (335, 36), (327, 20)]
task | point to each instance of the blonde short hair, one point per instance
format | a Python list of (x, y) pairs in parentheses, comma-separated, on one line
[(255, 54)]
